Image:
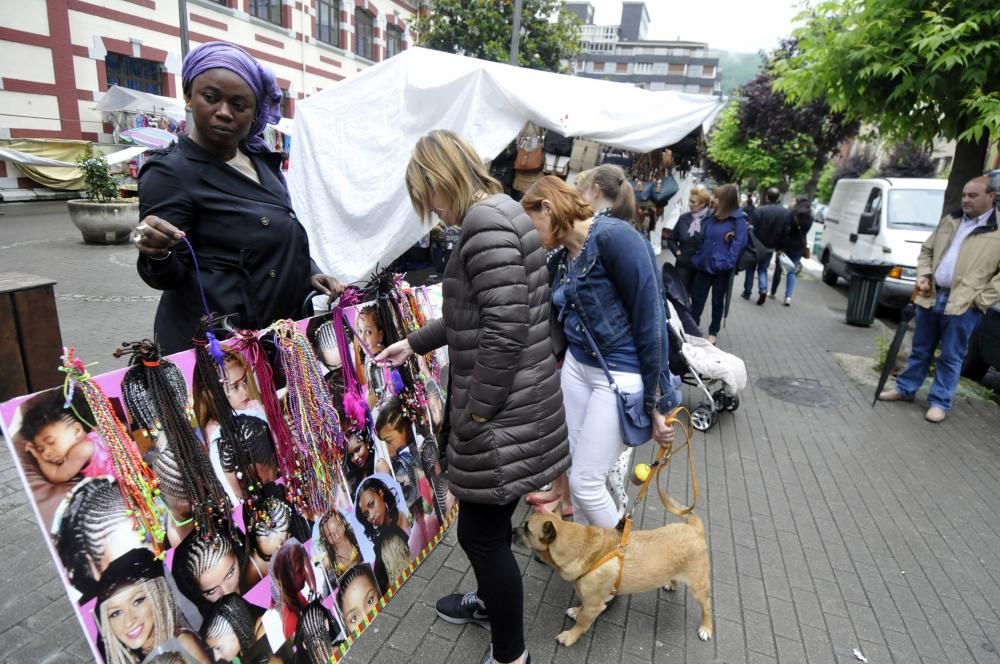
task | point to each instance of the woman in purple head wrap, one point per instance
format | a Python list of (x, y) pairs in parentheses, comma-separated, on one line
[(222, 188)]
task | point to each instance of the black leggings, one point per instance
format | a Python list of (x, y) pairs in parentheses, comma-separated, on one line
[(484, 532), (719, 284)]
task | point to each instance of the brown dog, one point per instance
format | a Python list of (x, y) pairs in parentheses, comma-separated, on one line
[(653, 558)]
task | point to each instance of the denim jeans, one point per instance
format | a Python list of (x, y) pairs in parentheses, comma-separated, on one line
[(776, 281), (761, 271), (951, 334)]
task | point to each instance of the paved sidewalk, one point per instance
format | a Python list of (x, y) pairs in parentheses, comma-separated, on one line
[(832, 527)]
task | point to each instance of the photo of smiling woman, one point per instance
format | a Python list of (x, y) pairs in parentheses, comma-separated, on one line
[(222, 187), (136, 612), (359, 593)]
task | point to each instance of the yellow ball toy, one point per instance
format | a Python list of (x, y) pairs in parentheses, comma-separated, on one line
[(641, 473)]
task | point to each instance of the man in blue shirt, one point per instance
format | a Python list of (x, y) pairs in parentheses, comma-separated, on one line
[(958, 280)]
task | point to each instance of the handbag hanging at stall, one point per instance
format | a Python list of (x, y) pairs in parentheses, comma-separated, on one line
[(530, 151), (665, 189)]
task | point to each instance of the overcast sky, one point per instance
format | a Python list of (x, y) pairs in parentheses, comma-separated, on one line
[(746, 26)]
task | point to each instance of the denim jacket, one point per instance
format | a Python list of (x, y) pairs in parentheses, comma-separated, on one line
[(616, 291)]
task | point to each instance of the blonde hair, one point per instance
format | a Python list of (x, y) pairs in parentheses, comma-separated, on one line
[(445, 163), (701, 193), (584, 179), (164, 621)]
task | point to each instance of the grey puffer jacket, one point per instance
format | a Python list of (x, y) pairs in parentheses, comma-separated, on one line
[(502, 360)]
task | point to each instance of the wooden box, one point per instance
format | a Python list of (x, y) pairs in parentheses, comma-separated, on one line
[(30, 342)]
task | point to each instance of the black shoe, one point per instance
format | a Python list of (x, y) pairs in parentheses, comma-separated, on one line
[(761, 298), (459, 609), (745, 296)]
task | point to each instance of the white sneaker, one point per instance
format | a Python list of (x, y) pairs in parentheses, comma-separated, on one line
[(788, 301)]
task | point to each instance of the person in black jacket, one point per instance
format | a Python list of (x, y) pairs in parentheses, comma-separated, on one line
[(794, 246), (771, 223), (222, 188), (686, 236)]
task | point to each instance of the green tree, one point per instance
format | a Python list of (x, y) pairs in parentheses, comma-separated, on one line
[(483, 29), (916, 70), (745, 158)]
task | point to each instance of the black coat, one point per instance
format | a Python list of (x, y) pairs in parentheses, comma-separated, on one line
[(252, 252), (680, 240), (795, 241), (771, 225)]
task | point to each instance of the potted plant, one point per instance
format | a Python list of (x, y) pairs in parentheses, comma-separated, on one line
[(102, 217)]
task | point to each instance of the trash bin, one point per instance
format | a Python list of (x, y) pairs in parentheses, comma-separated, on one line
[(864, 287)]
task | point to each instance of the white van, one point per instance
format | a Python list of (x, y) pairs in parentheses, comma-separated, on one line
[(885, 219)]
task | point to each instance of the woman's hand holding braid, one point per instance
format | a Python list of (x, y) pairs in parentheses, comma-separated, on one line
[(154, 237)]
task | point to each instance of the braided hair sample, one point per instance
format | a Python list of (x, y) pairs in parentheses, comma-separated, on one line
[(317, 632), (89, 514), (232, 615), (195, 556), (149, 381)]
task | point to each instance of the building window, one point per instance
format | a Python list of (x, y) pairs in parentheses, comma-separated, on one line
[(709, 71), (675, 69), (621, 67), (705, 89), (695, 71), (364, 33), (328, 21), (286, 104), (693, 89), (643, 68), (598, 66), (134, 73), (269, 10), (393, 41)]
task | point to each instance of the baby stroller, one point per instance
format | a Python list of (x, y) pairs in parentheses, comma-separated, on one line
[(714, 373)]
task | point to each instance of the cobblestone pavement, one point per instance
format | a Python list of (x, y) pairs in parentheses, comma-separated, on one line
[(833, 526)]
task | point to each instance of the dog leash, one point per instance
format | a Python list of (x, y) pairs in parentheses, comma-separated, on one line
[(663, 457)]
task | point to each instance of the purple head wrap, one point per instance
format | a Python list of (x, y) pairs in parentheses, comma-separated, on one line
[(221, 55)]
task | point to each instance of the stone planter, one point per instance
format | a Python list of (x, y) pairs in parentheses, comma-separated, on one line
[(104, 223)]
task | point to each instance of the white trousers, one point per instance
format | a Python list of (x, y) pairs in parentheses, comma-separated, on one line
[(595, 438)]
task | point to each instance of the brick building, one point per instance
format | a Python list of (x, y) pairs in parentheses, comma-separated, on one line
[(57, 57), (622, 53)]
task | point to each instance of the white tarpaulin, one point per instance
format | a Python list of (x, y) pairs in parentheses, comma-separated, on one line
[(118, 99), (18, 157), (354, 139)]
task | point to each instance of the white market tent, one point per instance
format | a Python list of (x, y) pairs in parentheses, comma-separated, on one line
[(124, 100), (354, 139)]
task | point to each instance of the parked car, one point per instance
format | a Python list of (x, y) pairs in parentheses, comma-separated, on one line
[(984, 346), (884, 219)]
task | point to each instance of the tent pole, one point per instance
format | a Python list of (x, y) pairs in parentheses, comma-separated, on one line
[(515, 40)]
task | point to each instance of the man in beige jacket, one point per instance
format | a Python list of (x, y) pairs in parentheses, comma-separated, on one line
[(958, 280)]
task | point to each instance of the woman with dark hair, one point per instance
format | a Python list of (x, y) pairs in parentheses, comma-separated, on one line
[(377, 510), (362, 458), (268, 525), (316, 636), (234, 631), (93, 527), (222, 187), (725, 238), (359, 593), (794, 247), (136, 612), (206, 570)]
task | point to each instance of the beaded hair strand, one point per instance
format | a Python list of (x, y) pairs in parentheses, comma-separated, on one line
[(149, 376), (314, 422), (136, 481), (213, 376)]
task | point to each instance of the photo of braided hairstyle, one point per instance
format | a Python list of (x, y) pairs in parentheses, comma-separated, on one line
[(157, 402), (211, 376), (233, 615), (273, 515), (195, 556), (317, 633), (88, 516), (255, 436)]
